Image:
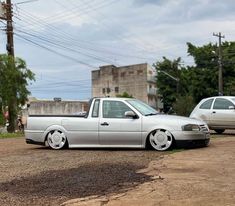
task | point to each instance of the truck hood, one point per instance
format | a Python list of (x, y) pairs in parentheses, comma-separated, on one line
[(173, 121)]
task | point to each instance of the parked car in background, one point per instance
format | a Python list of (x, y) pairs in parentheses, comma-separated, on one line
[(116, 122), (218, 112)]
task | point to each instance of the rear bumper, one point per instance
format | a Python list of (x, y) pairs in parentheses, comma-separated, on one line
[(192, 143)]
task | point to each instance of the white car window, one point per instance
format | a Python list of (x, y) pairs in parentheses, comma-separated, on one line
[(221, 103), (207, 104)]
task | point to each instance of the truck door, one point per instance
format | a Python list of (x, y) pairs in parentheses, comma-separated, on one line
[(115, 129)]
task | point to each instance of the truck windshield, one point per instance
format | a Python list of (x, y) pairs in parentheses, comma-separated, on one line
[(142, 107)]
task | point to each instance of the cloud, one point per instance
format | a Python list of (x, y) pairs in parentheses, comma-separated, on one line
[(152, 2), (125, 32)]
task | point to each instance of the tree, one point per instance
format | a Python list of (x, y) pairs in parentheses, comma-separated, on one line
[(14, 78), (169, 81), (197, 81), (204, 75), (125, 95), (183, 105)]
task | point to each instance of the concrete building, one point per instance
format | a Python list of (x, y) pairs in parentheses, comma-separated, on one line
[(137, 80)]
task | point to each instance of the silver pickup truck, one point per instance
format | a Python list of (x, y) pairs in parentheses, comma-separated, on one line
[(116, 122)]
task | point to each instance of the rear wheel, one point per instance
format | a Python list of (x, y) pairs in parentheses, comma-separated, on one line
[(161, 140), (219, 131), (56, 139)]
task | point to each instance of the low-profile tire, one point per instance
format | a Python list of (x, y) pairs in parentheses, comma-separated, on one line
[(219, 131), (56, 140), (161, 140)]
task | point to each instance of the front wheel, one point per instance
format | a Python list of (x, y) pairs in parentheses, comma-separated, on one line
[(56, 139), (161, 140)]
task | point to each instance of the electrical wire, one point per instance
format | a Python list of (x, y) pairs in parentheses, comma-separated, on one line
[(55, 52)]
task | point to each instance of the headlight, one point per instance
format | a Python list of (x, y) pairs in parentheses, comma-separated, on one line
[(190, 127)]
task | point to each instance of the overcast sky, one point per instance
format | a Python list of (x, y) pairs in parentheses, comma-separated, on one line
[(62, 41)]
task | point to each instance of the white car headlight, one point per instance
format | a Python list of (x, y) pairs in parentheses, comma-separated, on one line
[(190, 127)]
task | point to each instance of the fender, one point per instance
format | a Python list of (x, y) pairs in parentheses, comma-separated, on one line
[(152, 129), (54, 127)]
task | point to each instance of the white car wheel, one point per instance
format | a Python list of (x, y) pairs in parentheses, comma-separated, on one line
[(161, 140), (56, 139)]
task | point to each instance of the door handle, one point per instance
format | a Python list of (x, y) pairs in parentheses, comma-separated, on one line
[(104, 124), (214, 112)]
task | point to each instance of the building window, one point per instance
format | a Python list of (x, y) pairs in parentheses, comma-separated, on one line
[(123, 74), (103, 90), (116, 89), (131, 72), (139, 72)]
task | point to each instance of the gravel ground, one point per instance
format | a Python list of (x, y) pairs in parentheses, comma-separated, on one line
[(35, 175)]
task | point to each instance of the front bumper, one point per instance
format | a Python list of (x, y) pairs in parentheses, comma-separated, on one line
[(190, 135), (192, 143)]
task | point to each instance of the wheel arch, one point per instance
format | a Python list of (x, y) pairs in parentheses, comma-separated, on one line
[(146, 142), (52, 128)]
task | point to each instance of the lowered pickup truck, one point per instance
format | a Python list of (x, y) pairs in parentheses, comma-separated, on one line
[(116, 122)]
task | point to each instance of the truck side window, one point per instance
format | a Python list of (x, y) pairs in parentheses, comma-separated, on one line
[(95, 111), (114, 109)]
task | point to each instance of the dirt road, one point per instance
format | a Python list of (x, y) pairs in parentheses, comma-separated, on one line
[(34, 175)]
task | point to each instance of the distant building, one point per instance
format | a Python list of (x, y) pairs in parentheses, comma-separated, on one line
[(137, 80)]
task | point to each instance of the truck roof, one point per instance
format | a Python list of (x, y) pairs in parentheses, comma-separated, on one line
[(113, 98)]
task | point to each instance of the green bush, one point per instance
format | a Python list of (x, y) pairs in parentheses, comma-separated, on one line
[(184, 105)]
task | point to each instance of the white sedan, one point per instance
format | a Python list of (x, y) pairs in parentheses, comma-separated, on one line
[(218, 112)]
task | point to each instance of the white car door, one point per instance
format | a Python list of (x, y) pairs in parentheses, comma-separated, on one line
[(204, 111), (115, 128), (223, 113)]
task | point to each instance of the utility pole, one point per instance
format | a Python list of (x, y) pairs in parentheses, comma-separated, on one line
[(220, 78), (10, 41), (6, 14)]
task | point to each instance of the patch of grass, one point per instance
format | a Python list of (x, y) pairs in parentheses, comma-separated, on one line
[(11, 135)]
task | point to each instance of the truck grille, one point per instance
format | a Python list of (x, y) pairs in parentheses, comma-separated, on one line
[(204, 128)]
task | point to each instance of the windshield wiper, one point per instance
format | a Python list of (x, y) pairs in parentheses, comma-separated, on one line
[(151, 114)]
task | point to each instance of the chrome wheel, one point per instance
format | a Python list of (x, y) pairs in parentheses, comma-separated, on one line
[(161, 140), (56, 139)]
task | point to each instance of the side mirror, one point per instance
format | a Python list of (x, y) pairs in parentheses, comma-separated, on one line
[(231, 107), (131, 114)]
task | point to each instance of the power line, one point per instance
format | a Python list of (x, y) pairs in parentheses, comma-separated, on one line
[(59, 45), (55, 52)]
